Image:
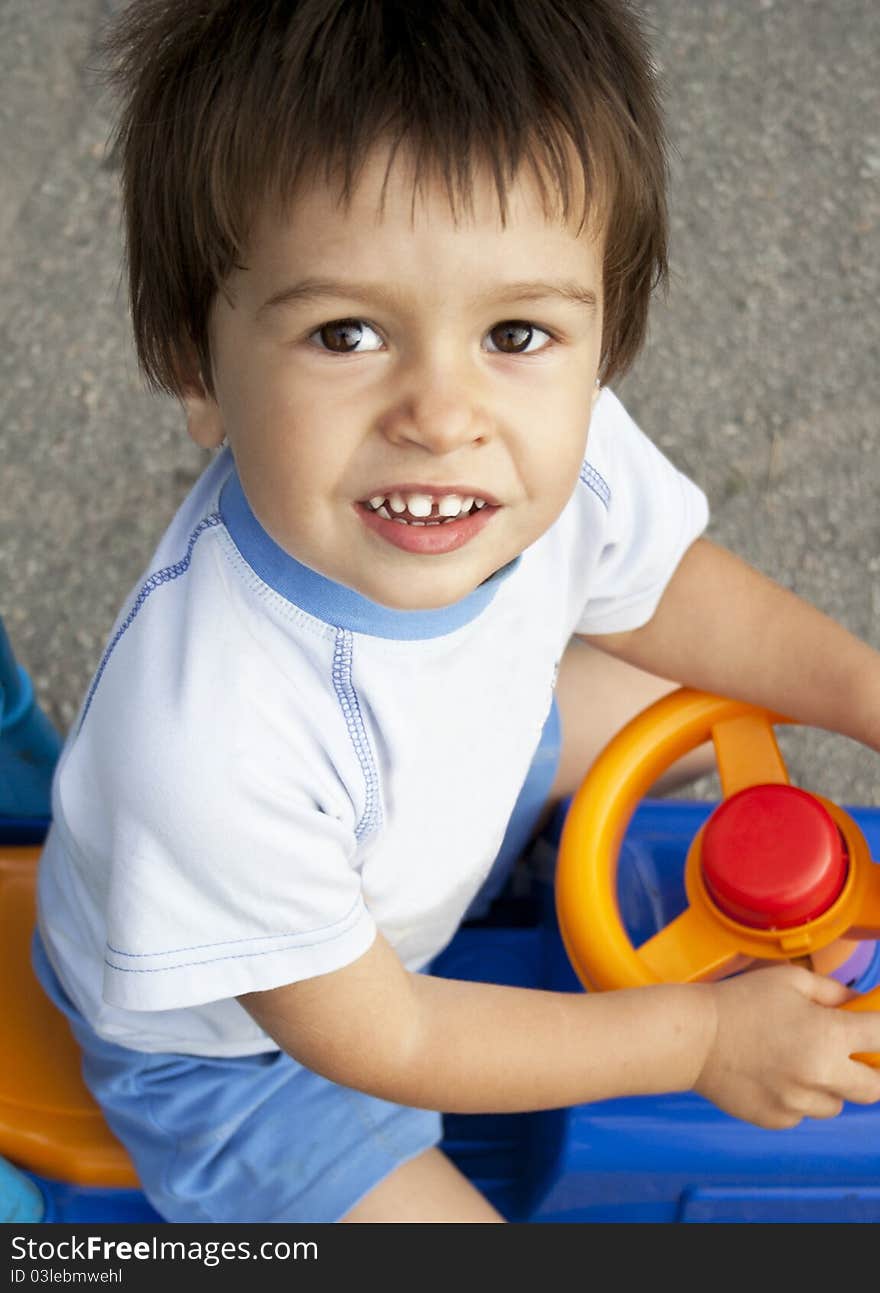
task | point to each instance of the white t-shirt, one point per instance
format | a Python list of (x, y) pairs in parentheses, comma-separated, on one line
[(268, 766)]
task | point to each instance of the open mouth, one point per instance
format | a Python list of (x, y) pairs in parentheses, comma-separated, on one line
[(421, 509), (427, 524)]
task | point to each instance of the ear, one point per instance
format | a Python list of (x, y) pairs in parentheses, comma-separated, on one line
[(204, 421)]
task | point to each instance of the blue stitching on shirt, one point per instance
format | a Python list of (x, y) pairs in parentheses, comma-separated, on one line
[(595, 481), (371, 818), (226, 942), (159, 577), (212, 960)]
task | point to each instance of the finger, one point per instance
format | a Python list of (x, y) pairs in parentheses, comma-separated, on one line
[(813, 1102), (825, 991), (867, 1055), (865, 1033), (822, 1105), (777, 1120), (861, 1084)]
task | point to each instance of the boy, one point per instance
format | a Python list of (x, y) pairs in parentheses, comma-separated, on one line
[(390, 256)]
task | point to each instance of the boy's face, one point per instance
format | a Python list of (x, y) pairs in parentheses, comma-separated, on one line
[(367, 363)]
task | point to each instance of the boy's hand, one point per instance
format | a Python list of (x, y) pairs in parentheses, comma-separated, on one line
[(780, 1051)]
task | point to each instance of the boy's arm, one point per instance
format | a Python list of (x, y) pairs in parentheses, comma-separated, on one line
[(723, 627), (473, 1047), (762, 1046)]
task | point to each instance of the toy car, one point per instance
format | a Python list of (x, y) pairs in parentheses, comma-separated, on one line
[(678, 902)]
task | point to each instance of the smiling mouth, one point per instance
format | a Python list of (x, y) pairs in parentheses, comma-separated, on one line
[(424, 524), (421, 509)]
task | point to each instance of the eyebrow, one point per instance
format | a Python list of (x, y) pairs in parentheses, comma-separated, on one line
[(310, 289)]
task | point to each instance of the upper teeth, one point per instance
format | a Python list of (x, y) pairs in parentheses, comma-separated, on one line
[(422, 505)]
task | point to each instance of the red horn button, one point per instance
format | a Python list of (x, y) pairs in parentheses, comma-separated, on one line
[(772, 857)]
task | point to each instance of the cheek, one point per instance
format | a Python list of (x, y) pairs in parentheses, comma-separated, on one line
[(555, 447), (294, 414), (550, 486)]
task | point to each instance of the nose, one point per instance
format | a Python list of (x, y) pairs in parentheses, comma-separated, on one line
[(439, 410)]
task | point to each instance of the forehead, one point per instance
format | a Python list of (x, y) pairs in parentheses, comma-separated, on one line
[(394, 205)]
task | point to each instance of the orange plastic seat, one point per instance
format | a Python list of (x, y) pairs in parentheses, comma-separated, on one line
[(49, 1122)]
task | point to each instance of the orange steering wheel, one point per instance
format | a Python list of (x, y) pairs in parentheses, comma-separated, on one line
[(775, 873)]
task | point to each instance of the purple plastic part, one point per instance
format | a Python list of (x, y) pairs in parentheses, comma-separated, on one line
[(855, 965)]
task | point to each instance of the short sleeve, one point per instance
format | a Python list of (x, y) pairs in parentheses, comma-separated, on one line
[(236, 910), (233, 862), (653, 513)]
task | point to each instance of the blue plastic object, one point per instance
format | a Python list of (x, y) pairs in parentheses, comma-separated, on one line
[(65, 1204), (29, 744), (21, 1200)]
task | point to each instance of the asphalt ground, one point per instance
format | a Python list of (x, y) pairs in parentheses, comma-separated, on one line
[(760, 378)]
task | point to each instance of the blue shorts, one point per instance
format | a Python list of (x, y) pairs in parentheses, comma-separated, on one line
[(259, 1137)]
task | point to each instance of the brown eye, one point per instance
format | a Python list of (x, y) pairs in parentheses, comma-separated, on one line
[(343, 335), (513, 337)]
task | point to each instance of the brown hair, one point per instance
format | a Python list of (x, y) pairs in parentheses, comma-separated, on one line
[(227, 103)]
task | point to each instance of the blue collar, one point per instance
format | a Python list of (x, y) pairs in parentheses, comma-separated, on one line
[(335, 603)]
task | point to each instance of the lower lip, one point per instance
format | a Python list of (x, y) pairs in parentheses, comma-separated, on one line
[(428, 540)]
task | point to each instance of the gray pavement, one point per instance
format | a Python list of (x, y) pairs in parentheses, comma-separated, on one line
[(761, 377)]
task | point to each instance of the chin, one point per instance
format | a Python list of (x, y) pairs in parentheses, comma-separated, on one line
[(420, 599), (414, 603)]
